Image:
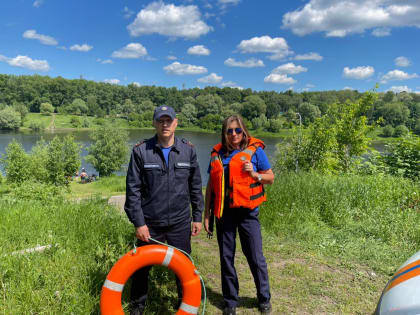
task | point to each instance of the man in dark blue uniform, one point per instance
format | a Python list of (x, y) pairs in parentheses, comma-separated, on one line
[(163, 180)]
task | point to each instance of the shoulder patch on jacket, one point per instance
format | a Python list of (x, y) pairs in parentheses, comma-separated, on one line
[(187, 142), (139, 143)]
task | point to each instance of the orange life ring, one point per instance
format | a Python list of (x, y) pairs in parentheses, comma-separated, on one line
[(146, 256)]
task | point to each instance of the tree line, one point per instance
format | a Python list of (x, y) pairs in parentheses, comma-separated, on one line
[(271, 111)]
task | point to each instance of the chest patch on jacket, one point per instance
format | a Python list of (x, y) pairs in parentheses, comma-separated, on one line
[(151, 166), (183, 164)]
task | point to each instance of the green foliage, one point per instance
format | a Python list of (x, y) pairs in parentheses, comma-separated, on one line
[(51, 163), (63, 159), (75, 122), (332, 141), (253, 107), (402, 158), (211, 122), (400, 130), (9, 119), (36, 125), (274, 125), (46, 109), (259, 122), (362, 217), (308, 112), (22, 110), (388, 131), (15, 163), (30, 190), (109, 149), (67, 277)]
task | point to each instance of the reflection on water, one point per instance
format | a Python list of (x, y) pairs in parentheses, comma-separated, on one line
[(203, 143)]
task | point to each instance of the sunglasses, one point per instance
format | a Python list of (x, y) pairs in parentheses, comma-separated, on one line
[(238, 131)]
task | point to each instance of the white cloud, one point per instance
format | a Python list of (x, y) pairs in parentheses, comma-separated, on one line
[(169, 20), (171, 58), (250, 63), (44, 39), (342, 17), (27, 63), (131, 51), (277, 46), (128, 13), (198, 50), (234, 2), (112, 81), (289, 68), (402, 61), (399, 89), (310, 56), (106, 61), (136, 84), (381, 32), (397, 75), (37, 3), (184, 69), (348, 88), (83, 48), (358, 73), (232, 85), (212, 78), (279, 79)]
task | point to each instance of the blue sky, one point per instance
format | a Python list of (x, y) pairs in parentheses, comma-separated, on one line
[(304, 45)]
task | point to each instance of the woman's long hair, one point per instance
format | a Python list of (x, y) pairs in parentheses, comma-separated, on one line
[(227, 147)]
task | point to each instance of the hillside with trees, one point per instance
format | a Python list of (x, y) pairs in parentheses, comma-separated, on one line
[(204, 108)]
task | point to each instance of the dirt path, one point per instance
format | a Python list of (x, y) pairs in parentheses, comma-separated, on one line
[(301, 282), (51, 126)]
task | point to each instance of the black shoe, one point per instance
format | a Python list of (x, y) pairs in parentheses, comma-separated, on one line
[(137, 310), (265, 308), (229, 310)]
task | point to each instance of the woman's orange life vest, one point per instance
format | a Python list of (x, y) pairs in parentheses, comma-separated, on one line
[(243, 190)]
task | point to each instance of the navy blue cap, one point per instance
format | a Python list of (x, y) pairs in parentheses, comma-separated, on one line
[(164, 111)]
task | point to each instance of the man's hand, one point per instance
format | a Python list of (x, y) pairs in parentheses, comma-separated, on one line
[(142, 233), (196, 228)]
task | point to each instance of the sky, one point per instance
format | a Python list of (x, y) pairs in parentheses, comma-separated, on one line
[(269, 45)]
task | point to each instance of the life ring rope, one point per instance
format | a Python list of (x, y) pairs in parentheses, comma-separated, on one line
[(185, 307)]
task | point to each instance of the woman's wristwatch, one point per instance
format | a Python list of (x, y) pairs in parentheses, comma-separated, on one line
[(259, 177)]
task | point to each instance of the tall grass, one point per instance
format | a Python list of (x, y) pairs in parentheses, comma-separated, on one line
[(370, 219), (86, 240)]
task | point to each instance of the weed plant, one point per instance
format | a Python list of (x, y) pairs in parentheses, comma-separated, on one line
[(373, 220)]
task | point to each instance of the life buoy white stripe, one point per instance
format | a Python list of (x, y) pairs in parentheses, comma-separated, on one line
[(169, 253), (188, 308), (113, 285)]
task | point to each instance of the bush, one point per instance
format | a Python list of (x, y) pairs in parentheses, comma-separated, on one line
[(46, 109), (36, 126), (400, 130), (9, 119), (387, 131), (75, 122)]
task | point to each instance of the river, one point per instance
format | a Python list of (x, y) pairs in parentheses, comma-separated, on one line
[(202, 141)]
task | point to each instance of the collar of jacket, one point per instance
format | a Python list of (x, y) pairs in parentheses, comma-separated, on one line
[(175, 146)]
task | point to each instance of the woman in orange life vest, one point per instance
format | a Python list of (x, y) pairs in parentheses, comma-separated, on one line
[(238, 169)]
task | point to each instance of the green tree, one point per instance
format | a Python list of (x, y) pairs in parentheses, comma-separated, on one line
[(208, 104), (22, 110), (388, 131), (46, 109), (9, 119), (63, 160), (109, 149), (308, 112), (253, 107), (189, 112), (15, 163)]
